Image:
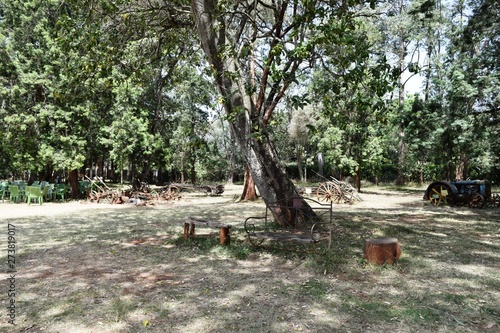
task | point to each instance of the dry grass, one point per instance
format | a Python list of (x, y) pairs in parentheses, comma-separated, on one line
[(98, 268)]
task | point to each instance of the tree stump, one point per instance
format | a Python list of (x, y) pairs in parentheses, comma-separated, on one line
[(225, 238), (382, 250), (186, 230)]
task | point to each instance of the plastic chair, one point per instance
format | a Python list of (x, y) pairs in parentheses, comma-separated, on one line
[(50, 192), (45, 192), (14, 193), (34, 193), (60, 191), (22, 190), (3, 189), (84, 187)]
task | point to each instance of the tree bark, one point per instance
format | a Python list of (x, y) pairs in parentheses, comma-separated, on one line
[(230, 178), (401, 128), (249, 192), (299, 163), (321, 163), (357, 180), (461, 168), (73, 182)]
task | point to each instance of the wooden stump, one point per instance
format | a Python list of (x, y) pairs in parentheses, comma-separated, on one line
[(382, 250), (225, 238), (186, 230)]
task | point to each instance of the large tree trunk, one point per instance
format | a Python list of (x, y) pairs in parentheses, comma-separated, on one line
[(273, 183), (249, 121), (400, 180)]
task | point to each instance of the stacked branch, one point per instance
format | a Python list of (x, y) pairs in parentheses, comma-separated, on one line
[(138, 195), (212, 190), (100, 192)]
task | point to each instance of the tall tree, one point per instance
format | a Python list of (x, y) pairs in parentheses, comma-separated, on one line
[(280, 37), (46, 132), (472, 90), (403, 49), (351, 91), (299, 132)]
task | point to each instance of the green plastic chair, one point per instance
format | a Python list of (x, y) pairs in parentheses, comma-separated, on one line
[(22, 190), (45, 192), (3, 189), (60, 191), (34, 193), (50, 192), (25, 190), (84, 188), (15, 194)]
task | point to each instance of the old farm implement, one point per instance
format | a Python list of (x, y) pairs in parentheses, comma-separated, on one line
[(211, 190), (473, 193), (311, 231), (337, 191)]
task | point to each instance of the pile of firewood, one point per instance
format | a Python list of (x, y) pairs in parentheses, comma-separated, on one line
[(100, 192), (167, 193)]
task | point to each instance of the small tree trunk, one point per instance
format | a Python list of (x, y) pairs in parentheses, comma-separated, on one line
[(249, 192), (461, 168), (230, 178), (299, 163), (358, 180), (73, 182), (321, 163)]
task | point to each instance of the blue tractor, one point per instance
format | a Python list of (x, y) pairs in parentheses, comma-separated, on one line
[(474, 193)]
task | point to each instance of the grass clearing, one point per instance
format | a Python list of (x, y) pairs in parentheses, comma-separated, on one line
[(102, 268)]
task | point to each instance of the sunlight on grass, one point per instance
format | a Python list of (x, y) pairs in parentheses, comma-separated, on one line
[(128, 270)]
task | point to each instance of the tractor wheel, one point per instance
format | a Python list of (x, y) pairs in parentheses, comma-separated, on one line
[(476, 200), (440, 194)]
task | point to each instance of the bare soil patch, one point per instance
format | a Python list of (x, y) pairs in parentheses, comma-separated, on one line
[(121, 268)]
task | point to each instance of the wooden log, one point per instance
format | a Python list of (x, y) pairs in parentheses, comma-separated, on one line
[(382, 250), (186, 230), (225, 238)]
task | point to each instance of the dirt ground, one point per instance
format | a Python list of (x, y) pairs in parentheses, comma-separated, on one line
[(84, 267)]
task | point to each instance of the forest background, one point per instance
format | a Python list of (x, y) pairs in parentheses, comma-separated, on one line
[(123, 89)]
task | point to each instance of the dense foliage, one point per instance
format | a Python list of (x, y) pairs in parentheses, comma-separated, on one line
[(121, 89)]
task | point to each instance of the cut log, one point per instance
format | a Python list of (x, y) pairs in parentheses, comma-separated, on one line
[(225, 238), (382, 250)]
